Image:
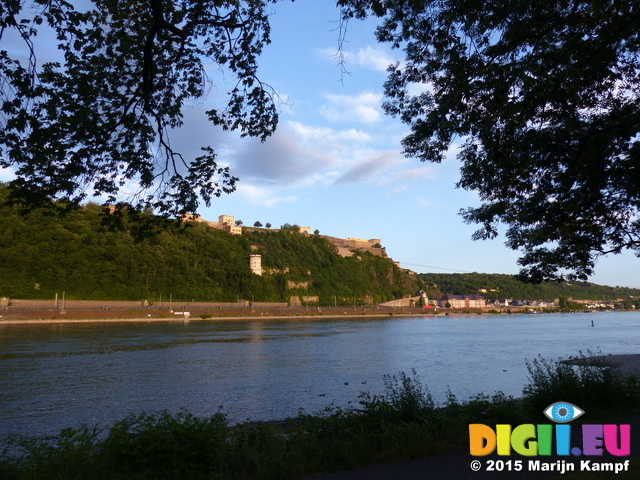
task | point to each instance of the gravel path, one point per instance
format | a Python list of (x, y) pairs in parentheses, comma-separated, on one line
[(627, 364)]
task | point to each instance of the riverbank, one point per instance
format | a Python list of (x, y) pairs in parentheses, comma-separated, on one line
[(102, 312), (455, 464), (25, 316), (182, 319), (627, 364), (8, 317)]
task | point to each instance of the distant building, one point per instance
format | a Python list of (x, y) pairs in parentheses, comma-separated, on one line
[(463, 301), (227, 223)]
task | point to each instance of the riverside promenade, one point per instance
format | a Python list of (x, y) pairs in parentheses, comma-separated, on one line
[(84, 312), (80, 311)]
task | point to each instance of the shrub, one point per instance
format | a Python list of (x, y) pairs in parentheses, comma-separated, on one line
[(68, 455), (165, 446), (589, 384), (407, 396)]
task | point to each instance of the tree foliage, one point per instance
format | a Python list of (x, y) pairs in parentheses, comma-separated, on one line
[(96, 119), (494, 286), (545, 98)]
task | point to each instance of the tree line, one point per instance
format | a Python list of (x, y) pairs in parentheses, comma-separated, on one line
[(494, 286)]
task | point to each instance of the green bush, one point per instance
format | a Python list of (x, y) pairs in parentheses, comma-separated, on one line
[(68, 455), (165, 446), (407, 396), (589, 384)]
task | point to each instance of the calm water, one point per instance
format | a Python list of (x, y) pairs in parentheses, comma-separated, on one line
[(55, 376)]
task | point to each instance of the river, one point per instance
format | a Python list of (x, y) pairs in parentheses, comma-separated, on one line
[(54, 376)]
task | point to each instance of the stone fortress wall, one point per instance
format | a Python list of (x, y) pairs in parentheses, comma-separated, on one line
[(344, 246)]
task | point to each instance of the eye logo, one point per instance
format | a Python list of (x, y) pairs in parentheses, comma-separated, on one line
[(563, 412)]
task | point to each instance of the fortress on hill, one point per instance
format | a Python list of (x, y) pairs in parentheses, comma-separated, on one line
[(344, 246)]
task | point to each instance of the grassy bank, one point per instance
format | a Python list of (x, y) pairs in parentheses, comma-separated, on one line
[(402, 422)]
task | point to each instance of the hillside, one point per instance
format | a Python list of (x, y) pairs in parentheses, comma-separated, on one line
[(499, 286), (146, 257)]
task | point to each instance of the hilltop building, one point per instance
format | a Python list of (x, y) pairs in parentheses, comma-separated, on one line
[(225, 222), (344, 246)]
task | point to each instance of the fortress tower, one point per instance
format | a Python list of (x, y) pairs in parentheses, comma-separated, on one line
[(255, 263)]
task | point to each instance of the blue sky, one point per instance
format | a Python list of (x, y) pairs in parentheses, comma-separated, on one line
[(335, 163)]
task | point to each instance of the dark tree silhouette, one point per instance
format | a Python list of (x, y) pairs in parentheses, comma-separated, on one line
[(544, 98), (97, 121)]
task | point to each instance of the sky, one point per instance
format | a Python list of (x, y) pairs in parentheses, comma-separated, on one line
[(335, 163)]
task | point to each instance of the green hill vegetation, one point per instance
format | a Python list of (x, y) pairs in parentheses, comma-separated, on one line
[(499, 286), (132, 256), (144, 257)]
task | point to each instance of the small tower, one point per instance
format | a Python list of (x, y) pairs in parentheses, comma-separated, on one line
[(255, 263), (425, 297)]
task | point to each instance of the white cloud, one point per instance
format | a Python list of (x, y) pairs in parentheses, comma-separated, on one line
[(372, 58), (260, 196), (416, 89), (303, 155), (311, 135), (353, 135), (308, 132), (363, 108), (420, 173), (385, 168), (363, 172), (7, 174), (369, 57)]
